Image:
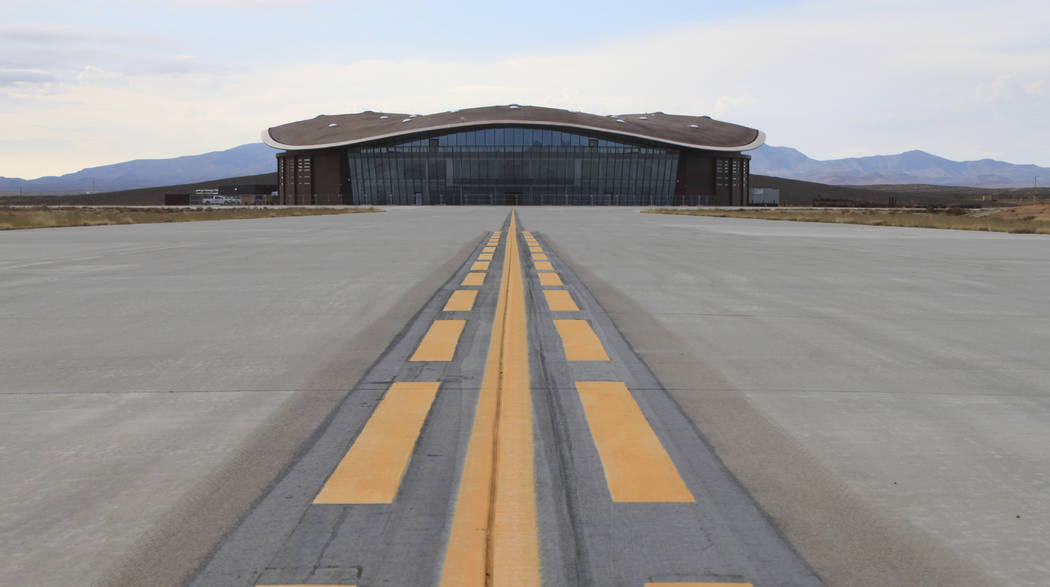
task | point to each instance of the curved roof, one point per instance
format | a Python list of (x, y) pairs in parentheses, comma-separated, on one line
[(693, 132)]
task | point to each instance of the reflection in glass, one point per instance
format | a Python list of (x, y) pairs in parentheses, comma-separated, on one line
[(513, 165)]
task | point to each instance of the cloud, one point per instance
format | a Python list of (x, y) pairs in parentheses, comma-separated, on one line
[(967, 83), (12, 77), (240, 4), (1009, 88), (50, 34)]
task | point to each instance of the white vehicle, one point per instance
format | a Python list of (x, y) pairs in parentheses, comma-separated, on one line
[(220, 201)]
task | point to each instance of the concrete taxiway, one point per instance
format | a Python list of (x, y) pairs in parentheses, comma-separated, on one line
[(880, 392), (154, 379), (516, 440)]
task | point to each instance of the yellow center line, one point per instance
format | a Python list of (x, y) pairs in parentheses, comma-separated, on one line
[(494, 538), (371, 471), (580, 341), (439, 343), (461, 300)]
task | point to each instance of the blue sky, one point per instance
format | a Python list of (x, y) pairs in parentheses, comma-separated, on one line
[(89, 83)]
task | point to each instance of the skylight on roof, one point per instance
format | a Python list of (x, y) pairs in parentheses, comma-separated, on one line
[(620, 120), (407, 120), (514, 106), (693, 126), (643, 118), (384, 116), (333, 124)]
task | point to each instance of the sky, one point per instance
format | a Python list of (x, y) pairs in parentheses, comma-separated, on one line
[(86, 83)]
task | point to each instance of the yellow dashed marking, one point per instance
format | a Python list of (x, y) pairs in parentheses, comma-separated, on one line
[(560, 300), (539, 257), (372, 469), (461, 300), (488, 250), (439, 343), (480, 266), (637, 468), (485, 257), (543, 266), (535, 250), (550, 279), (580, 341), (474, 279)]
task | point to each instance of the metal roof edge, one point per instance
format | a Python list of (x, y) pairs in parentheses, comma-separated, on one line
[(760, 138)]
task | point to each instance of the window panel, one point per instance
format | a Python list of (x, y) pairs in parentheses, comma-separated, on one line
[(539, 164)]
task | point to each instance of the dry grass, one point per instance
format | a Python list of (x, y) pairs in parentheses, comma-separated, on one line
[(51, 217), (1031, 219)]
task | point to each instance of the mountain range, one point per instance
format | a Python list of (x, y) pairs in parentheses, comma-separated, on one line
[(250, 159), (911, 167)]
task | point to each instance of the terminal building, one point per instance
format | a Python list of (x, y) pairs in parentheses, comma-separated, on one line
[(513, 155)]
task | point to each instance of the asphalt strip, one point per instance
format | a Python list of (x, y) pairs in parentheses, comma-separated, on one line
[(625, 489)]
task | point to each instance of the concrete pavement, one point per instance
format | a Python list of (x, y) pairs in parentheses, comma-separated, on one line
[(154, 379), (472, 454), (882, 392)]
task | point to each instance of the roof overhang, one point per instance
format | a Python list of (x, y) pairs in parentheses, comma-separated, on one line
[(690, 132)]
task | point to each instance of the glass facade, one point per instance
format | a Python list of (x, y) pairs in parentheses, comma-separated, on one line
[(513, 165)]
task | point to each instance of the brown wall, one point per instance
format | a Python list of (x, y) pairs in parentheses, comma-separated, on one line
[(295, 178), (695, 178), (704, 177), (327, 177), (719, 179), (313, 177)]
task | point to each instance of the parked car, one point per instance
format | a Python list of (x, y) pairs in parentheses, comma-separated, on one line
[(220, 201)]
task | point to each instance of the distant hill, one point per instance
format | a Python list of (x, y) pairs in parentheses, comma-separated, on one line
[(151, 196), (250, 159), (792, 193), (912, 167)]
